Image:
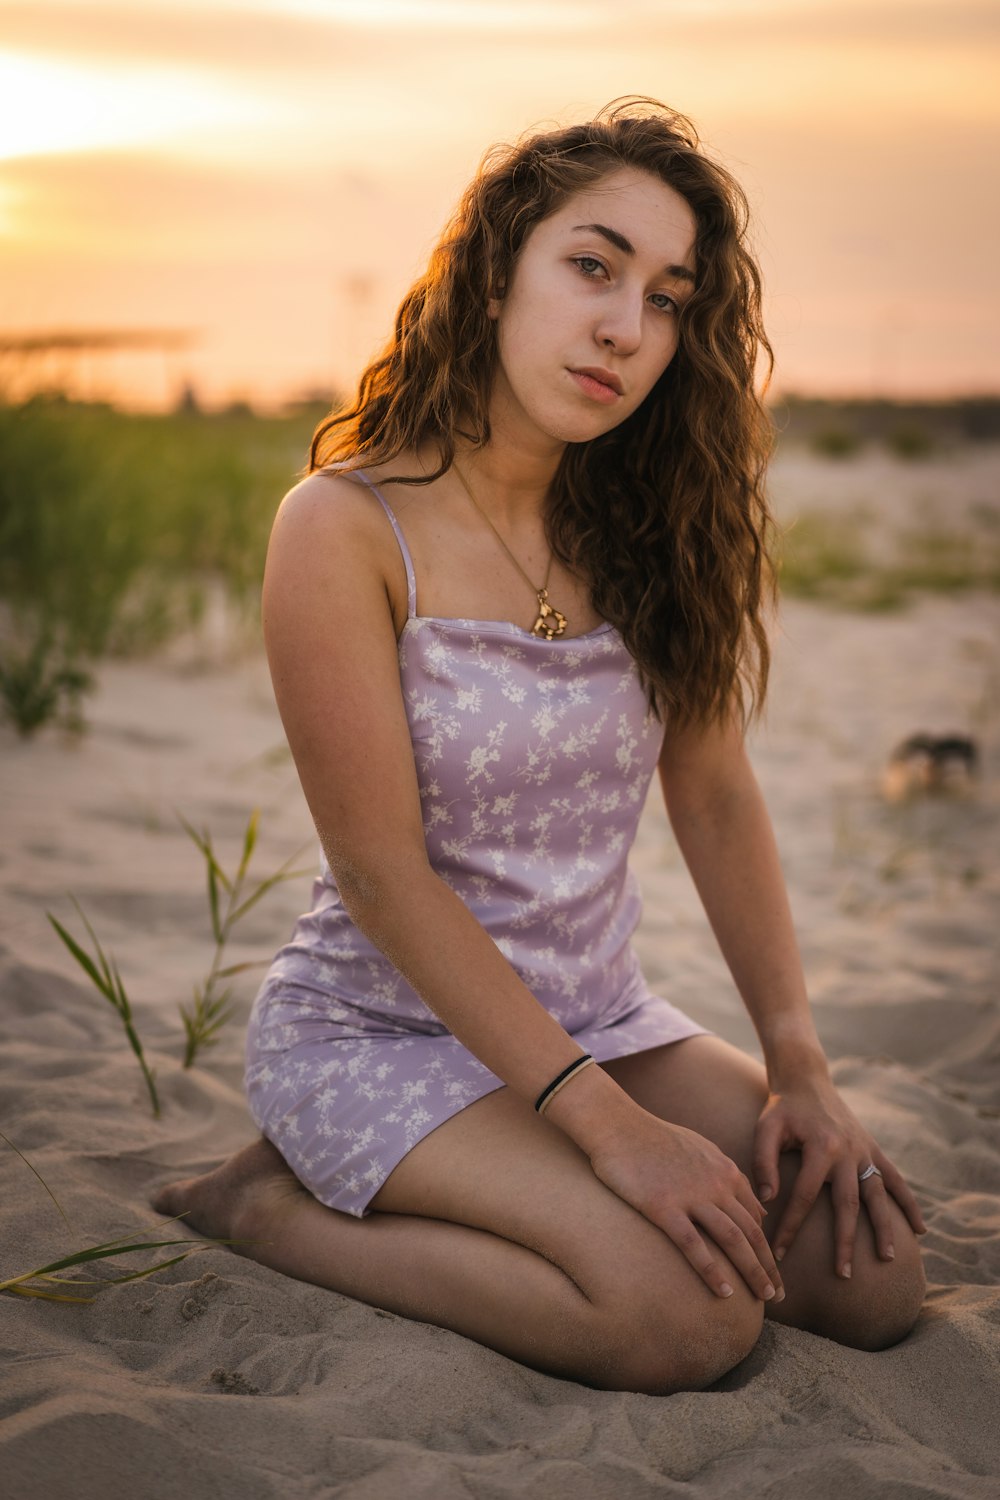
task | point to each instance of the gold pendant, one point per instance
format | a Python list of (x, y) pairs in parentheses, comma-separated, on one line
[(550, 622)]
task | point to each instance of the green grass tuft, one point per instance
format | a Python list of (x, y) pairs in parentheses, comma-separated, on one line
[(228, 901), (112, 524), (39, 685), (103, 974)]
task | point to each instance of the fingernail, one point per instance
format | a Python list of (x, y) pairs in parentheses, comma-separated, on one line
[(780, 1253), (780, 1294), (765, 1195), (768, 1292), (890, 1254), (726, 1289), (845, 1270)]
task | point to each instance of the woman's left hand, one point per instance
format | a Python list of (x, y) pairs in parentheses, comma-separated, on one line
[(812, 1118)]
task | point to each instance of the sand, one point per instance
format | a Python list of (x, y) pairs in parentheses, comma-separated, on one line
[(219, 1377)]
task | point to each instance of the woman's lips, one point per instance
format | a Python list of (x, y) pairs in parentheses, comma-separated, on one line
[(594, 388)]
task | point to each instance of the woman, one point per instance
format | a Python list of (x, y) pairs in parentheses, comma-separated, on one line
[(566, 423)]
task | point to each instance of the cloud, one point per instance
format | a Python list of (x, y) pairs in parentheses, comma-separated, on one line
[(152, 34), (127, 203), (267, 39)]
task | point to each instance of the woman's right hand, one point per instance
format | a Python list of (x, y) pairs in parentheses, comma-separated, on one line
[(684, 1184)]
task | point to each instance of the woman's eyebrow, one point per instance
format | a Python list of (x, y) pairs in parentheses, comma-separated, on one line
[(680, 273)]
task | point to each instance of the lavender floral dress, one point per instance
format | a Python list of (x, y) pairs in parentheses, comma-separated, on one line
[(534, 758)]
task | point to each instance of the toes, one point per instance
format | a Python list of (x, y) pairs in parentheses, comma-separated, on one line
[(169, 1200)]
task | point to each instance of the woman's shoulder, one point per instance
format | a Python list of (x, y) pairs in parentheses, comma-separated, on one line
[(332, 497), (342, 498), (330, 533)]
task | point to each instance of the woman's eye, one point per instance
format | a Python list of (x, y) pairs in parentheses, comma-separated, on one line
[(663, 302), (589, 264)]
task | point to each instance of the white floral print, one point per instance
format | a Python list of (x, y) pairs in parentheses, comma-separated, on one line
[(533, 759)]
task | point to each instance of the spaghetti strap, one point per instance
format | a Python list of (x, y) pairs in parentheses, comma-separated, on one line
[(411, 578)]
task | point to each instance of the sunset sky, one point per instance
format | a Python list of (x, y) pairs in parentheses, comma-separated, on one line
[(267, 176)]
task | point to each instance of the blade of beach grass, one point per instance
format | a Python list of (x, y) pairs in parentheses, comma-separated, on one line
[(203, 1023), (27, 1283), (21, 1285), (25, 1289), (31, 1168), (204, 843), (250, 963), (249, 842), (282, 873), (215, 876), (108, 981), (210, 1011)]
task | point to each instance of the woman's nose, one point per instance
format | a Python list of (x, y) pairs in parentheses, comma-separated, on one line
[(620, 326)]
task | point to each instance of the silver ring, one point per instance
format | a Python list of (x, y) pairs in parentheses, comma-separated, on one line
[(871, 1171)]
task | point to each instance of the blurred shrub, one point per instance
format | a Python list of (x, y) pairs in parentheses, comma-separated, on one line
[(831, 559), (909, 442), (109, 520), (37, 686), (835, 442), (819, 556)]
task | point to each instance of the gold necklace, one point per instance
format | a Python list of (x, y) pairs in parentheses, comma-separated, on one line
[(550, 622)]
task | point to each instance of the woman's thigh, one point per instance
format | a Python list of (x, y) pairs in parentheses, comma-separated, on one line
[(497, 1166)]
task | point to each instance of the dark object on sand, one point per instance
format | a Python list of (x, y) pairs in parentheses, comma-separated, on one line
[(929, 765)]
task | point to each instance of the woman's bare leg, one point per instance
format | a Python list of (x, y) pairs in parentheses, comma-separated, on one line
[(713, 1088), (494, 1226)]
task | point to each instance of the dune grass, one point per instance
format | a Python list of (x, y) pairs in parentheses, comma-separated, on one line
[(43, 1281), (112, 526), (103, 973), (211, 1008), (835, 560)]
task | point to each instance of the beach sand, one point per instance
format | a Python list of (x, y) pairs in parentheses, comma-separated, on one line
[(219, 1378)]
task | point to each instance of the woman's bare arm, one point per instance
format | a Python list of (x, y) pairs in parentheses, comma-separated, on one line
[(724, 832), (331, 645)]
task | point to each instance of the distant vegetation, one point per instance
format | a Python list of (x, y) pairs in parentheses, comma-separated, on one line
[(115, 527), (832, 559), (907, 429), (835, 555)]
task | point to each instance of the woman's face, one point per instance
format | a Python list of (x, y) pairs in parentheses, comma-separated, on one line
[(589, 320)]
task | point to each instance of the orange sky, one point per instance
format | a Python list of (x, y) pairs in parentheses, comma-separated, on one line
[(268, 175)]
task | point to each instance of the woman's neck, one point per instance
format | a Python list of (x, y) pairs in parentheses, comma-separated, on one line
[(511, 484)]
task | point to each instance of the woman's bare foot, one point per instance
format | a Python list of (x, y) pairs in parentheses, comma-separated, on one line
[(236, 1197)]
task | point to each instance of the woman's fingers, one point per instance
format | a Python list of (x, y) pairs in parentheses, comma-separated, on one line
[(845, 1191), (691, 1245), (808, 1184), (897, 1187), (743, 1241), (877, 1203), (747, 1198), (766, 1152)]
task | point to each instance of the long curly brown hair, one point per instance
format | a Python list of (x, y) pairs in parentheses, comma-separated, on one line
[(665, 515)]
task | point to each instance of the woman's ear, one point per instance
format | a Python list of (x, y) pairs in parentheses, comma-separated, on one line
[(494, 305)]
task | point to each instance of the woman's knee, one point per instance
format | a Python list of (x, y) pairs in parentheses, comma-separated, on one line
[(878, 1306), (659, 1349), (892, 1296)]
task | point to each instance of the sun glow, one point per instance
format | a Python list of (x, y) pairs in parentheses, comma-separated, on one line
[(273, 173), (61, 107)]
